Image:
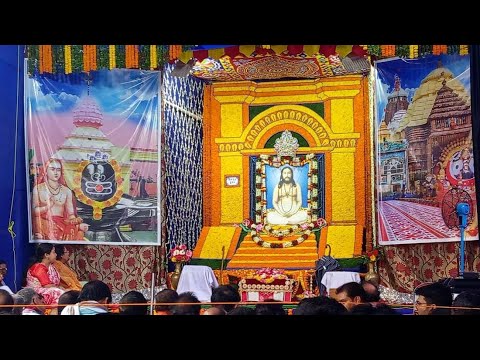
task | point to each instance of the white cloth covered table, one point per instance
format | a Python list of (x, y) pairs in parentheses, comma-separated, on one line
[(335, 279), (198, 279)]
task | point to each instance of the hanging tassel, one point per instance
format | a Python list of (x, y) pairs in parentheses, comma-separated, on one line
[(174, 52), (47, 55), (111, 57), (135, 56), (127, 57), (86, 65), (463, 50), (153, 57), (68, 59), (413, 51), (93, 51)]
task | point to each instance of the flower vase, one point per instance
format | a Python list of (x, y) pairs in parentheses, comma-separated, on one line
[(371, 275), (176, 275)]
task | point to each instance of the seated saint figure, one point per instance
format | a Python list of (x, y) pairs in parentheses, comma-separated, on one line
[(54, 211), (287, 201)]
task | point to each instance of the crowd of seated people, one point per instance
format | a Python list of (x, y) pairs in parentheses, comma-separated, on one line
[(48, 292), (95, 299)]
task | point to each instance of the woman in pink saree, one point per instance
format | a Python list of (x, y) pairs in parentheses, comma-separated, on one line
[(43, 277)]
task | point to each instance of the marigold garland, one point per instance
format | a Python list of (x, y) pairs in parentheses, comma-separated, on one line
[(78, 58), (68, 59), (93, 57), (112, 63), (153, 57), (250, 226)]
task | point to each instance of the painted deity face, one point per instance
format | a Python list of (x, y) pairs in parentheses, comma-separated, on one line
[(54, 171), (287, 175)]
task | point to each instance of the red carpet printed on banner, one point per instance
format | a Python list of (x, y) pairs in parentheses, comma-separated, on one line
[(405, 221)]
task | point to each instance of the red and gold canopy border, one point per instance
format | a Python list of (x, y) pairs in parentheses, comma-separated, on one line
[(98, 205), (69, 59)]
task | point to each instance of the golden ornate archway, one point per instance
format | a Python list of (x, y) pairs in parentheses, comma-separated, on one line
[(232, 134)]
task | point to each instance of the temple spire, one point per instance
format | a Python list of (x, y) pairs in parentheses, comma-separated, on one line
[(397, 84)]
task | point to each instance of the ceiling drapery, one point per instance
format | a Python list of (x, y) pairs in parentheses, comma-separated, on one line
[(68, 59)]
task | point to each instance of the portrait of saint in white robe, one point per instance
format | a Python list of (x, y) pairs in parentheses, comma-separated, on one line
[(287, 201)]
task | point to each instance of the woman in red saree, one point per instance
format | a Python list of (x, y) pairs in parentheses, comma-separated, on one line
[(54, 207), (43, 277)]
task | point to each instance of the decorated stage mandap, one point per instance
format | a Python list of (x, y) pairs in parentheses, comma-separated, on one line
[(257, 159)]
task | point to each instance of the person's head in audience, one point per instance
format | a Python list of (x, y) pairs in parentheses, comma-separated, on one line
[(62, 253), (242, 310), (32, 300), (225, 294), (3, 271), (214, 311), (269, 307), (67, 298), (17, 300), (370, 309), (96, 290), (320, 305), (183, 308), (5, 300), (165, 296), (133, 297), (433, 299), (350, 295), (372, 294), (469, 299)]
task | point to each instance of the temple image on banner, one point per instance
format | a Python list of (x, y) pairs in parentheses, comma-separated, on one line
[(90, 189), (424, 143)]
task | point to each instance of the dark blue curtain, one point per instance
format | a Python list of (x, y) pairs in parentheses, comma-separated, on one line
[(15, 250)]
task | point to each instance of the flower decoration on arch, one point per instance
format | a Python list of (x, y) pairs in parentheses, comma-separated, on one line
[(304, 230), (373, 255), (180, 253)]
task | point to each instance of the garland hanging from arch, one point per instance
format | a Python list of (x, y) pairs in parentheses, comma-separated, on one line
[(84, 58)]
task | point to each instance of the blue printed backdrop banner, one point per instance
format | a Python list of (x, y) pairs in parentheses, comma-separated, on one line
[(424, 163), (92, 143)]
